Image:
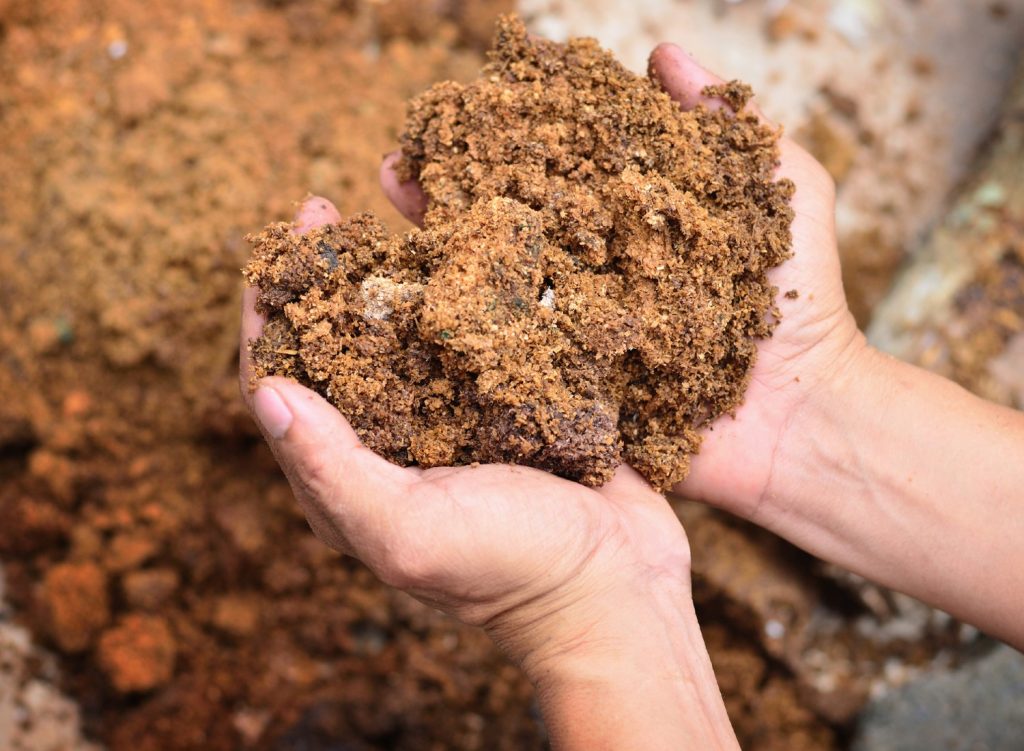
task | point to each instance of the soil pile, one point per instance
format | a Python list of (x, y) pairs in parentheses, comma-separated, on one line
[(588, 288), (146, 534)]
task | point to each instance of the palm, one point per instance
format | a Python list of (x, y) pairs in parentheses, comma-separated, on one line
[(807, 347), (489, 538)]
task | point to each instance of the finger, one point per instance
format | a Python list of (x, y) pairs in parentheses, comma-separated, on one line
[(351, 496), (684, 79), (251, 328), (408, 197), (315, 211)]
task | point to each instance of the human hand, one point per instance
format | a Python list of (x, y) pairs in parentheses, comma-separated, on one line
[(587, 590), (872, 464), (537, 561), (816, 341), (875, 465)]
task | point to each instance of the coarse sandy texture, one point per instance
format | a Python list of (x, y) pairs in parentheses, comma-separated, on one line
[(893, 97), (141, 141), (588, 287)]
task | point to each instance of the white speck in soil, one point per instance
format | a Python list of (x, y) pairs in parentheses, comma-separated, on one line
[(117, 49)]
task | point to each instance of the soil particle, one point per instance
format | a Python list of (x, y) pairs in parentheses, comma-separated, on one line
[(138, 653), (588, 287), (75, 603), (150, 589), (237, 615)]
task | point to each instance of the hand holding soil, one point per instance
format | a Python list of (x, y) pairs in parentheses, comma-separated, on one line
[(588, 589), (587, 290), (818, 336), (575, 584), (569, 581), (845, 451)]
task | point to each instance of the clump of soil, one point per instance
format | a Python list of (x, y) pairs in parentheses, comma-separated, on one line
[(138, 654), (588, 287)]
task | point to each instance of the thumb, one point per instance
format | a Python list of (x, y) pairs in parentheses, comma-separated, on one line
[(684, 79), (350, 495)]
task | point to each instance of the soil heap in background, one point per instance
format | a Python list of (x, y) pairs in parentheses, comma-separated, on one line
[(588, 287), (137, 500)]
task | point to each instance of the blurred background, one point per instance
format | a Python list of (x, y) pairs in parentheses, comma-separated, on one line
[(159, 589)]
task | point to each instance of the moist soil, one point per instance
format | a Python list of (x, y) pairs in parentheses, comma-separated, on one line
[(146, 534), (588, 287)]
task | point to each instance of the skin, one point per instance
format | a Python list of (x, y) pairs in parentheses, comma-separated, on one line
[(588, 590)]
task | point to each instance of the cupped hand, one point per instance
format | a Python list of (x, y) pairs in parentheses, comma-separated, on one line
[(815, 342), (538, 561), (532, 558)]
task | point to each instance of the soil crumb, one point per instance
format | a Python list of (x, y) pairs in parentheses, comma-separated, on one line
[(588, 287)]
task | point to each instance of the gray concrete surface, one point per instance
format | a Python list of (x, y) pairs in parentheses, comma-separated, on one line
[(978, 707)]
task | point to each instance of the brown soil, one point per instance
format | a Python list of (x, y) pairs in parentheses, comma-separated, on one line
[(587, 289), (138, 653), (76, 604), (129, 474)]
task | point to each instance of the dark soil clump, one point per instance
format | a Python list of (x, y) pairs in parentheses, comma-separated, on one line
[(588, 288)]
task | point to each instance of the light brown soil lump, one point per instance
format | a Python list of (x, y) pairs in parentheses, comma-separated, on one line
[(588, 288)]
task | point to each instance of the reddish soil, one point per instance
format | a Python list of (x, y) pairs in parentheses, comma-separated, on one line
[(145, 531)]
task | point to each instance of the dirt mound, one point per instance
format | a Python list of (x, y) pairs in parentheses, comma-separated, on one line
[(141, 142), (588, 288)]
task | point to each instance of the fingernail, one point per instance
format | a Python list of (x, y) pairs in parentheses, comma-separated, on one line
[(271, 411)]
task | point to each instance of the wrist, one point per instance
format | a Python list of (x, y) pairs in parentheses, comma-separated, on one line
[(639, 671), (592, 624), (624, 627), (817, 446), (839, 469)]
